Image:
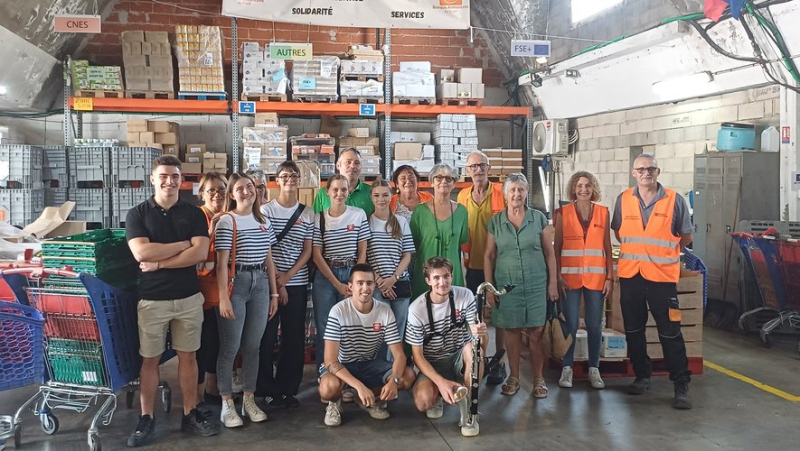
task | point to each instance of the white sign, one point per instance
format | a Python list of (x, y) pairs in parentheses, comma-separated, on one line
[(439, 14), (533, 49)]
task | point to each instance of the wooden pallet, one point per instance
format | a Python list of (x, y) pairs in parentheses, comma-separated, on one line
[(186, 95), (372, 100), (414, 100), (274, 97), (162, 95), (623, 367), (315, 99), (361, 77), (99, 93), (461, 102)]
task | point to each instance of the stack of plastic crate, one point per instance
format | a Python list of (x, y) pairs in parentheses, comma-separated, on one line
[(90, 185), (55, 175), (130, 173), (21, 189)]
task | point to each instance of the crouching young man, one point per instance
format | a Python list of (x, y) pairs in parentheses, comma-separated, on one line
[(441, 344), (357, 328)]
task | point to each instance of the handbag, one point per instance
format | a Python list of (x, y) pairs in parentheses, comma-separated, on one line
[(556, 339), (208, 277), (402, 289)]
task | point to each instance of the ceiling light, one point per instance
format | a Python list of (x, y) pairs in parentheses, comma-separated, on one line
[(541, 60), (3, 90), (685, 86)]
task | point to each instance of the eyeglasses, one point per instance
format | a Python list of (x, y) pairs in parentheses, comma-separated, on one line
[(214, 191), (475, 167), (444, 178), (287, 177), (650, 170), (261, 188)]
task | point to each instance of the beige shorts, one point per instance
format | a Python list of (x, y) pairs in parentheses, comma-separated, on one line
[(184, 317)]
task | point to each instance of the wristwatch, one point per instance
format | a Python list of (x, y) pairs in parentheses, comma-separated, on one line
[(396, 380)]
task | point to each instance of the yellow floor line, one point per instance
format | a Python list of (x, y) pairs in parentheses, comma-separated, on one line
[(753, 382)]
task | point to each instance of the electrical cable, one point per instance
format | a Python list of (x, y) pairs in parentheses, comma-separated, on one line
[(765, 65)]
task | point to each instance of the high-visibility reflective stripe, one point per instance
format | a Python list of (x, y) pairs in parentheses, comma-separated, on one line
[(594, 253), (650, 258), (572, 253), (644, 240), (585, 269), (582, 253)]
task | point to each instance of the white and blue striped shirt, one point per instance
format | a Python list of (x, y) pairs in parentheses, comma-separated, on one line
[(383, 251), (342, 233), (290, 247), (449, 338), (253, 239), (361, 335)]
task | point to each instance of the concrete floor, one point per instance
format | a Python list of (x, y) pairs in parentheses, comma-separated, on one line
[(729, 415)]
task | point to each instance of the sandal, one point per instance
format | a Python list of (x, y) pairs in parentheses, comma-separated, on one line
[(539, 388), (511, 387)]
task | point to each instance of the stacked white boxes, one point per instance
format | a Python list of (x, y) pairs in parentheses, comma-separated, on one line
[(463, 83), (413, 149), (455, 136), (265, 145), (316, 79), (262, 74), (362, 75), (414, 81)]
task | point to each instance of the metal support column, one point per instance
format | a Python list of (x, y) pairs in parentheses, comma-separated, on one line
[(526, 152), (234, 102), (66, 94), (79, 124), (388, 156)]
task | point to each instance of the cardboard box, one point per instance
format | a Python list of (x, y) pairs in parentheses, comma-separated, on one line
[(464, 90), (167, 138), (478, 90), (415, 66), (448, 90), (132, 36), (581, 346), (266, 119), (447, 76), (191, 159), (360, 132), (156, 36), (132, 137), (136, 125), (349, 141), (407, 151), (469, 75), (191, 168), (493, 153), (306, 195), (690, 282), (195, 148), (147, 137), (613, 345), (172, 149), (161, 126)]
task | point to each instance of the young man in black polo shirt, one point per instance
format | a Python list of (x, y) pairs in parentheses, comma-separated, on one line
[(168, 237)]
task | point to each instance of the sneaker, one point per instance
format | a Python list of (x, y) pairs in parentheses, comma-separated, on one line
[(236, 383), (199, 424), (436, 411), (144, 428), (348, 396), (274, 401), (251, 410), (471, 430), (378, 411), (214, 400), (566, 377), (497, 375), (682, 400), (333, 414), (639, 386), (594, 378), (291, 401), (228, 415), (205, 409)]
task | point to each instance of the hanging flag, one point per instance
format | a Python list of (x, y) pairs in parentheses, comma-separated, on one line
[(714, 9), (736, 8)]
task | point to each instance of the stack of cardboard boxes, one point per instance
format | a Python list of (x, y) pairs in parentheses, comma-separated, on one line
[(199, 53), (156, 134), (413, 149), (215, 162), (462, 83), (362, 74), (316, 79), (504, 161), (147, 57), (95, 78), (261, 74), (316, 148), (455, 136), (367, 146), (265, 144), (415, 81)]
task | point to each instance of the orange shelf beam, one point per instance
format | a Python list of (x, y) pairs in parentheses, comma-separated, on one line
[(313, 109), (483, 112), (158, 106)]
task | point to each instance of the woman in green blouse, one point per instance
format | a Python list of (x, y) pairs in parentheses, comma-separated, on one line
[(519, 251), (439, 228)]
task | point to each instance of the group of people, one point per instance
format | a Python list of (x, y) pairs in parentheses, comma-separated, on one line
[(389, 265)]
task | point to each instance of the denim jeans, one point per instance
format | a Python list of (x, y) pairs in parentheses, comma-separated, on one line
[(593, 312), (250, 299), (400, 309), (324, 296)]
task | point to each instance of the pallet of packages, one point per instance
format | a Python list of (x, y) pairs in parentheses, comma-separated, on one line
[(198, 49), (263, 77), (147, 58), (316, 80)]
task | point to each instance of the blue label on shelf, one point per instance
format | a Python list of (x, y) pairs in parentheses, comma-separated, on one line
[(247, 108), (366, 109), (308, 83)]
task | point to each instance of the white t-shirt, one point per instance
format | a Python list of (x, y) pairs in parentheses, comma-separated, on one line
[(449, 337), (383, 251), (253, 239), (288, 250), (342, 234), (361, 335)]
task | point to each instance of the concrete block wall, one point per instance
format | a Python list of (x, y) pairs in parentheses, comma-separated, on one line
[(674, 132)]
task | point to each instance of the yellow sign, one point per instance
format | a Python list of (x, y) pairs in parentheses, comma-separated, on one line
[(83, 104)]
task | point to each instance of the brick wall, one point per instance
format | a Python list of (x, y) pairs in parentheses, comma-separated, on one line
[(444, 48), (675, 132)]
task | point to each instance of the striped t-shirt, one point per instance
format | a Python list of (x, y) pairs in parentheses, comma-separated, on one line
[(361, 335), (449, 337), (342, 233), (383, 251), (290, 247), (253, 239)]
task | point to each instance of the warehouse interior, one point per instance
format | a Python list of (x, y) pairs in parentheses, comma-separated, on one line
[(546, 88)]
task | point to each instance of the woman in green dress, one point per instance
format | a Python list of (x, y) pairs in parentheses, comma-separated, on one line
[(439, 228), (519, 251)]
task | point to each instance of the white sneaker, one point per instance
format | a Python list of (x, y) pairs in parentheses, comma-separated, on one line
[(436, 411), (228, 415), (348, 396), (378, 411), (566, 377), (251, 410), (236, 383), (595, 379), (471, 430), (333, 414)]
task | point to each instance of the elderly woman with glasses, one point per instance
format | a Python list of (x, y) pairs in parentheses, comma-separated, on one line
[(406, 181), (260, 183), (439, 228), (519, 251)]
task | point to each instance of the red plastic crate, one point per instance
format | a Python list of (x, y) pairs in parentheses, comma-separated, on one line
[(73, 327), (63, 303)]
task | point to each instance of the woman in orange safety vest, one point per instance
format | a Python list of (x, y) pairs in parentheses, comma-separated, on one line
[(583, 253)]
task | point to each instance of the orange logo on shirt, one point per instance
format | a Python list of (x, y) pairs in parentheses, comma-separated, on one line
[(450, 2), (376, 327)]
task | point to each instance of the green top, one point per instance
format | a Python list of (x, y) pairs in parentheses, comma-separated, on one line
[(359, 197), (434, 238), (520, 261)]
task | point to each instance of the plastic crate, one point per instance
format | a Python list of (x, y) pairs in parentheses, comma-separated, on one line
[(92, 206), (89, 167), (77, 327), (20, 207), (55, 167), (21, 346), (123, 199), (131, 166), (55, 197), (694, 263), (76, 362), (21, 166), (94, 244)]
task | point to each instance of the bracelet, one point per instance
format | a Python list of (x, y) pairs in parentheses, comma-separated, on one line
[(274, 295)]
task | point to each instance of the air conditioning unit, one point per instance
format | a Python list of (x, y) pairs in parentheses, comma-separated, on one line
[(550, 138)]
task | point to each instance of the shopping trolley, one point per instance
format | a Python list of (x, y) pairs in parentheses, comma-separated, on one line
[(788, 319), (756, 263), (91, 349)]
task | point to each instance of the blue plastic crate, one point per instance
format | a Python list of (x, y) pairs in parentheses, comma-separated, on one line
[(21, 346), (694, 263)]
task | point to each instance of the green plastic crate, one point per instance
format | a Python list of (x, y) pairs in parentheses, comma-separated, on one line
[(76, 362), (94, 244)]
